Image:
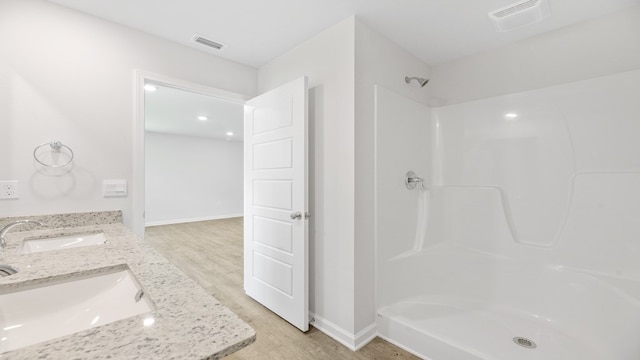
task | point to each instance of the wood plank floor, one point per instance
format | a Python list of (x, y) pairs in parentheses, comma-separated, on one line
[(210, 252)]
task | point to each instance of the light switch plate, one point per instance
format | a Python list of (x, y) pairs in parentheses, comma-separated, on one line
[(114, 187), (9, 189)]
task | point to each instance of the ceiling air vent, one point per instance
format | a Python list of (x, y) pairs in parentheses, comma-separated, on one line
[(520, 14), (206, 42)]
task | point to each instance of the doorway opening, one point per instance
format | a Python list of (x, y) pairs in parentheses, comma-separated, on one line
[(177, 154), (193, 156)]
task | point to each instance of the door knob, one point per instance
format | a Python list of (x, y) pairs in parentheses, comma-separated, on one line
[(296, 215)]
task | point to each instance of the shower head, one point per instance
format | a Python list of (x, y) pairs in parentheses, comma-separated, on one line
[(420, 80)]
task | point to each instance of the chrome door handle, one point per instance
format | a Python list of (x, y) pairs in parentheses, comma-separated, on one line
[(296, 215)]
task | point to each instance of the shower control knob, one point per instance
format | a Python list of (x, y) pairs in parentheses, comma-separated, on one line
[(296, 215)]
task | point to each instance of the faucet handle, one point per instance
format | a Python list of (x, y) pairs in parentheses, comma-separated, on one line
[(6, 270), (10, 225)]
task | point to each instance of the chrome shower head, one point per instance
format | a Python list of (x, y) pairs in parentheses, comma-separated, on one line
[(420, 80)]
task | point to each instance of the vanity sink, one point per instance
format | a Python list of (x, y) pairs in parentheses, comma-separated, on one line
[(61, 242), (46, 309)]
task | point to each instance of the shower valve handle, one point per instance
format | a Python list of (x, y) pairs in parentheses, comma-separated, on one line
[(411, 180)]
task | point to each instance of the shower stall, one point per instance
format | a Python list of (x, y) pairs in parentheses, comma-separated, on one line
[(522, 241)]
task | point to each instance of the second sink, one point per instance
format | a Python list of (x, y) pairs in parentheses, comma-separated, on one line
[(41, 311), (61, 242)]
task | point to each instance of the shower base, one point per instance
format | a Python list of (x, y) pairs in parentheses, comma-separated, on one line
[(457, 329)]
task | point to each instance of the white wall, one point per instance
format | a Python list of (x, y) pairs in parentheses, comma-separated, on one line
[(343, 64), (328, 60), (378, 61), (402, 125), (68, 76), (593, 48), (191, 178)]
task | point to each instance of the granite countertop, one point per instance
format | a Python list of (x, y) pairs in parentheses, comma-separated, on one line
[(189, 322)]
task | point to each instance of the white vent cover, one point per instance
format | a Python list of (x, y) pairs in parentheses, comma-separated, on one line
[(206, 42), (520, 14)]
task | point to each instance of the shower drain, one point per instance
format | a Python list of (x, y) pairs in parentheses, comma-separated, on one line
[(524, 342)]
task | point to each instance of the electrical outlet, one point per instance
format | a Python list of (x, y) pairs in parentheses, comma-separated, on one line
[(9, 189)]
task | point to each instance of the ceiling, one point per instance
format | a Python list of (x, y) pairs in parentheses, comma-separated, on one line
[(174, 111), (257, 31)]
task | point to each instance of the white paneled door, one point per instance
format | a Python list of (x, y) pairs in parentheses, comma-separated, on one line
[(275, 204)]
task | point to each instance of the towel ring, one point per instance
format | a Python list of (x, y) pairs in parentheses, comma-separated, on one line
[(55, 146)]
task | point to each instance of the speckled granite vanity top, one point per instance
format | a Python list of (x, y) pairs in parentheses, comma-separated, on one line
[(188, 322)]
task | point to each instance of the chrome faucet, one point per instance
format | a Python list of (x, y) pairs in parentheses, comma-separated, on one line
[(10, 225)]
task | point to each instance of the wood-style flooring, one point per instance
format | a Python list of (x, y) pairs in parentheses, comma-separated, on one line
[(210, 252)]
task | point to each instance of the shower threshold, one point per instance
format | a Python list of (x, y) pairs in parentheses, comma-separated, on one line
[(450, 331)]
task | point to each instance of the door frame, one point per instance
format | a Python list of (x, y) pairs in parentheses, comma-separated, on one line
[(138, 182)]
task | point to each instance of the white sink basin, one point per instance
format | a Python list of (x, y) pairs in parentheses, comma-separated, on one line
[(61, 242), (37, 313)]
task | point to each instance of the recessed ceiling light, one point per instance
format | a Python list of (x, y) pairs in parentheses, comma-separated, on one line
[(511, 116), (202, 118), (150, 87), (229, 133)]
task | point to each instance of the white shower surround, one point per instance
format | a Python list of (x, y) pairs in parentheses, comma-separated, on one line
[(530, 227)]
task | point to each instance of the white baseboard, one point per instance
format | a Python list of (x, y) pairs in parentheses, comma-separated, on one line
[(352, 341), (182, 221), (364, 336)]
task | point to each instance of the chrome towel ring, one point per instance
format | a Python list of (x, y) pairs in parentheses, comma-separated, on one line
[(56, 146)]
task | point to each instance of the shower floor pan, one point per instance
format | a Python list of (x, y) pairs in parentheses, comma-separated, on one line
[(470, 305), (455, 330)]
